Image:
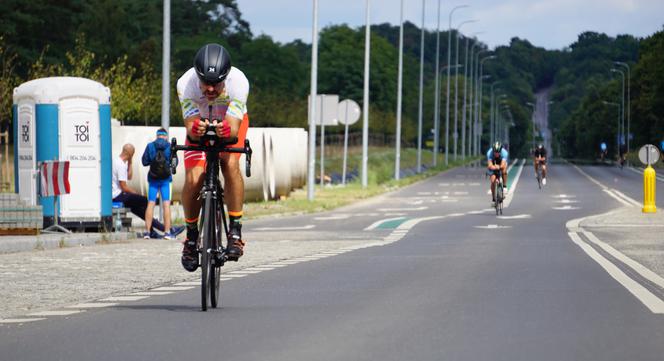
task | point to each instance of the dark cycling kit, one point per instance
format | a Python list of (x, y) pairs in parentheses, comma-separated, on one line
[(541, 153)]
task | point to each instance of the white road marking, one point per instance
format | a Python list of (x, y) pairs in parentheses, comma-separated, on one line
[(377, 224), (652, 302), (124, 298), (244, 272), (566, 201), (493, 226), (20, 320), (565, 208), (456, 214), (394, 214), (443, 184), (424, 193), (235, 275), (520, 216), (640, 171), (615, 196), (188, 283), (168, 288), (92, 305), (636, 266), (628, 199), (474, 184), (403, 209), (310, 226), (460, 193), (55, 313), (154, 293)]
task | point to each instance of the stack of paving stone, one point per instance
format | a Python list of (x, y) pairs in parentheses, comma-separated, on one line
[(18, 218)]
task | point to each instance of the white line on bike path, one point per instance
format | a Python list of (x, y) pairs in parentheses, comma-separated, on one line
[(303, 228), (614, 193), (650, 300)]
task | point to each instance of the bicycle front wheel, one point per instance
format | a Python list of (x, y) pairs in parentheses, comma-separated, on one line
[(206, 257), (215, 270)]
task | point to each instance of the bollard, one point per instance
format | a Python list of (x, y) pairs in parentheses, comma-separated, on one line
[(649, 178)]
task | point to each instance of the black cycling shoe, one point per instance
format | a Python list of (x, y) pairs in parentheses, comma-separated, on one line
[(235, 248), (190, 252)]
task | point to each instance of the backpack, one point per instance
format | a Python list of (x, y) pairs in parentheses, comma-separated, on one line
[(159, 167)]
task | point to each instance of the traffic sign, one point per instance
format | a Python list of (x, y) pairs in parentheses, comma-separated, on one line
[(348, 112), (649, 154)]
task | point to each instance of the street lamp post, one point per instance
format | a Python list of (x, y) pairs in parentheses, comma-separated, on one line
[(629, 97), (397, 158), (622, 101), (475, 94), (436, 102), (479, 100), (312, 100), (420, 107), (449, 59), (365, 102), (532, 117), (491, 112), (468, 108), (456, 87)]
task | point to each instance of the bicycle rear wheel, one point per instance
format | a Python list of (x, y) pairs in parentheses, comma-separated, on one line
[(499, 198)]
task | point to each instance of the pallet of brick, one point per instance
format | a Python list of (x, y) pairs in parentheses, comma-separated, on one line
[(17, 218)]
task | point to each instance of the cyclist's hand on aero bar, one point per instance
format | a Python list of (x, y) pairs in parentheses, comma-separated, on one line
[(200, 126), (223, 129)]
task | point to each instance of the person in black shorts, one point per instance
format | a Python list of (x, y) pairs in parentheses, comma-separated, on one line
[(540, 161)]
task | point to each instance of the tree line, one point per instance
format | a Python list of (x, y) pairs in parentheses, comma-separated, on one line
[(118, 42)]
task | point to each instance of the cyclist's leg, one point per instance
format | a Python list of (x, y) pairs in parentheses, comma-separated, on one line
[(192, 205), (503, 170), (165, 192), (544, 169), (234, 192), (493, 186)]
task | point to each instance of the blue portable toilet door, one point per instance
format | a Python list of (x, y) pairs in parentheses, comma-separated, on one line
[(27, 169), (79, 140)]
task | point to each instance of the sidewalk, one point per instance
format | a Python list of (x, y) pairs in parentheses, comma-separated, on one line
[(637, 235)]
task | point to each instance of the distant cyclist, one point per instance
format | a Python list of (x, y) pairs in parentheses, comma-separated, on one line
[(539, 158), (603, 151), (497, 158), (622, 150)]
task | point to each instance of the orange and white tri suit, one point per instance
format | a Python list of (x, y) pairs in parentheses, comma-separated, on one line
[(231, 101)]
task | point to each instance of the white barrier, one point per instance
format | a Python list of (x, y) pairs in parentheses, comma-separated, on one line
[(278, 159)]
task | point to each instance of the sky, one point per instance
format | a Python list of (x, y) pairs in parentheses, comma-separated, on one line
[(552, 24)]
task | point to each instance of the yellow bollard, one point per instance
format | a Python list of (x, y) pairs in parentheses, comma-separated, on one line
[(649, 178)]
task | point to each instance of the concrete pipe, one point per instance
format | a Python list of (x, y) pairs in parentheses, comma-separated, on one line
[(284, 150), (255, 187)]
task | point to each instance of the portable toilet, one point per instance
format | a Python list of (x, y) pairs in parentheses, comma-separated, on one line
[(65, 118)]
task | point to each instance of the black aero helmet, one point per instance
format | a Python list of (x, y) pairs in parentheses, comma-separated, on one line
[(212, 63), (497, 147), (540, 146)]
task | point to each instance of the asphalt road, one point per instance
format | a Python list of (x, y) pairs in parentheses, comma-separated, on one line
[(446, 280)]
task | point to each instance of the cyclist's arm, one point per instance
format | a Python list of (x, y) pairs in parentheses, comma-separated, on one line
[(238, 88)]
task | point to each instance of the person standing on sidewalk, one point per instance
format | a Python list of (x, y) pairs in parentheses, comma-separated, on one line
[(157, 155)]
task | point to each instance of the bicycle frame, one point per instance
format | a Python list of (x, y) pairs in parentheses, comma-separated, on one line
[(212, 253)]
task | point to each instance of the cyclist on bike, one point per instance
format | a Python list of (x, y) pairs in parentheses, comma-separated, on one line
[(622, 150), (213, 92), (603, 151), (540, 160), (497, 158)]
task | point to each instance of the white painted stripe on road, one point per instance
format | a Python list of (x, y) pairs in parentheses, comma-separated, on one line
[(403, 209), (652, 302), (55, 313), (93, 305), (565, 208), (510, 194), (182, 288), (153, 293), (628, 199), (235, 275), (124, 298), (520, 216), (20, 320), (636, 266), (244, 272), (225, 278), (310, 226), (377, 224), (615, 196), (188, 283)]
